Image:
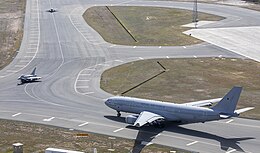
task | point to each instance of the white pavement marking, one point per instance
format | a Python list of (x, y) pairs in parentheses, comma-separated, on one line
[(146, 143), (184, 46), (198, 24), (84, 80), (192, 143), (167, 57), (72, 22), (28, 56), (85, 74), (220, 56), (134, 47), (160, 46), (34, 31), (11, 71), (33, 44), (231, 151), (103, 64), (157, 135), (90, 69), (88, 93), (48, 119), (59, 43), (230, 121), (19, 66), (141, 58), (82, 86), (83, 124), (33, 34), (119, 61), (33, 37), (112, 45), (118, 130), (16, 114), (195, 56), (22, 61)]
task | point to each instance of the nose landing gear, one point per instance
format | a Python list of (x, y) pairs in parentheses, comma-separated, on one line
[(118, 114)]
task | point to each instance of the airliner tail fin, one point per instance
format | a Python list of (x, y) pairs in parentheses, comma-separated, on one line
[(228, 103)]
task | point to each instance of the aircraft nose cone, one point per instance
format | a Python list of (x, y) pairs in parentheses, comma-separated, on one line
[(106, 102), (109, 103)]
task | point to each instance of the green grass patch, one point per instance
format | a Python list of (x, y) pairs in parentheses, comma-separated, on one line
[(148, 25), (37, 138), (188, 80)]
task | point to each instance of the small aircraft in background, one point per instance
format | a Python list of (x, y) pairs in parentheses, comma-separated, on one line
[(29, 78), (151, 112), (52, 10)]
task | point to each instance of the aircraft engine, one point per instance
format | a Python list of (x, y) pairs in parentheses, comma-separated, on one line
[(130, 119)]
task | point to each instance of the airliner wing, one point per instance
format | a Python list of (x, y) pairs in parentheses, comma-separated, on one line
[(146, 117), (203, 102)]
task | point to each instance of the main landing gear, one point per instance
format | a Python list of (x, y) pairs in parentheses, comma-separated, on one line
[(118, 114), (158, 124)]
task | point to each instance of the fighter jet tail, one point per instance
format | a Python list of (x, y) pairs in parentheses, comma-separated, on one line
[(33, 72), (228, 103)]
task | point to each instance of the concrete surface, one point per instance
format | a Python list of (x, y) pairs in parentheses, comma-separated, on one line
[(71, 56)]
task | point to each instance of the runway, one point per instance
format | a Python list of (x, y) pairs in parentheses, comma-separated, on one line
[(71, 56)]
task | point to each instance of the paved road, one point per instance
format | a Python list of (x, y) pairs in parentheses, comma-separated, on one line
[(70, 56)]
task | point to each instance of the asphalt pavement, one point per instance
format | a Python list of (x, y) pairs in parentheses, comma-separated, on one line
[(71, 56)]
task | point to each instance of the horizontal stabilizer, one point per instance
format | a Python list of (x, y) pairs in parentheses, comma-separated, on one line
[(224, 116), (238, 111)]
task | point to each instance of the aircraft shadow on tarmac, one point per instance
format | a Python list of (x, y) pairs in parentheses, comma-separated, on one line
[(18, 84), (148, 133)]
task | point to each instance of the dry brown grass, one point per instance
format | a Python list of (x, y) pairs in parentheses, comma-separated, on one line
[(36, 138), (188, 80), (11, 29), (148, 25), (250, 4)]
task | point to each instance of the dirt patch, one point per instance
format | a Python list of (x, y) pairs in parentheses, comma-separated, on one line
[(11, 29)]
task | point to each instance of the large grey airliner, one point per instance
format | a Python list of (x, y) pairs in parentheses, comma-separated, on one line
[(147, 112)]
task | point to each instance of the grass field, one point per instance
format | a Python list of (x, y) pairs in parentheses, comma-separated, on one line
[(188, 80), (133, 25), (11, 29), (36, 138), (249, 4)]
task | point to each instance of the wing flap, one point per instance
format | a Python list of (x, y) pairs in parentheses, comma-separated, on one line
[(146, 117)]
